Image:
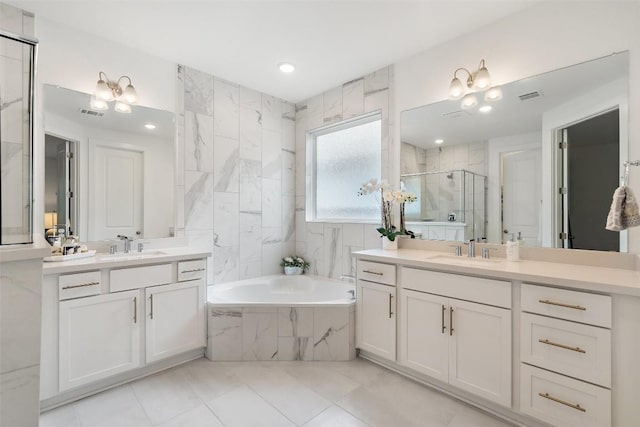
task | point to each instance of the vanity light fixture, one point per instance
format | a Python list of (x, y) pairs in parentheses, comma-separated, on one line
[(286, 67), (479, 80), (485, 109), (109, 90), (150, 126), (439, 141)]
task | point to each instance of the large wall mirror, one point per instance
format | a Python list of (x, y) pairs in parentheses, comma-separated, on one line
[(107, 173), (541, 164)]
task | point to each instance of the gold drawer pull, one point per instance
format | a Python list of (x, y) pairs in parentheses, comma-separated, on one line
[(373, 272), (555, 344), (192, 270), (555, 399), (559, 304), (83, 285)]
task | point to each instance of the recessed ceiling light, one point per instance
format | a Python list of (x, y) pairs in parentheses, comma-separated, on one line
[(439, 141), (150, 126), (485, 108), (285, 67)]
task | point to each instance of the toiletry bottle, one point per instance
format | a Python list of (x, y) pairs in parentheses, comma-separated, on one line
[(513, 249)]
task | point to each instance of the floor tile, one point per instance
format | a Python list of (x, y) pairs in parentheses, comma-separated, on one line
[(471, 417), (116, 407), (64, 416), (373, 409), (325, 381), (296, 401), (243, 407), (165, 395), (360, 370), (200, 416), (210, 379), (335, 416)]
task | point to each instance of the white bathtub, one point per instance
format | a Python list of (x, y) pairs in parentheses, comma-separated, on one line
[(282, 290), (281, 318)]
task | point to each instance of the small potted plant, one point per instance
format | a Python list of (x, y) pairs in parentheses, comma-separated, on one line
[(294, 265)]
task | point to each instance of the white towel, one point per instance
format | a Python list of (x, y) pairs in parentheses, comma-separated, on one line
[(624, 212)]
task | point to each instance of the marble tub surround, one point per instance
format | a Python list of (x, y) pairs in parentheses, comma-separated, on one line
[(281, 333), (329, 246), (236, 170)]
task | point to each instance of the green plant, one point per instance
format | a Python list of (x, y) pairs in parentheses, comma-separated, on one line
[(295, 261)]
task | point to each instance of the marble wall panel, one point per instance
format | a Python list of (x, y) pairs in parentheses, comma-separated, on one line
[(260, 335), (225, 334)]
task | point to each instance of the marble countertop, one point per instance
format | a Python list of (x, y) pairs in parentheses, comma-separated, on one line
[(132, 259), (581, 277), (38, 249)]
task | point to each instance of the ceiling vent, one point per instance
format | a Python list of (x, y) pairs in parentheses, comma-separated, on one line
[(91, 112), (456, 114), (530, 95)]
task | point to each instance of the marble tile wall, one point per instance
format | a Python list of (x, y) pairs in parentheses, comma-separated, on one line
[(236, 175), (328, 246), (281, 333)]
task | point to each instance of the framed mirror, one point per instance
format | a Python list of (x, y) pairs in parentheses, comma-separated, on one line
[(107, 173), (550, 153)]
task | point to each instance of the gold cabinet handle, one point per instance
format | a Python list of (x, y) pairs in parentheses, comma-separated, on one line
[(83, 285), (151, 311), (373, 272), (444, 328), (555, 344), (559, 304), (450, 321), (562, 402), (135, 309), (390, 310), (192, 270)]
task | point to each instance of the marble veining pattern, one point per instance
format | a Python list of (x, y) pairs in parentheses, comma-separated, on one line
[(198, 91), (259, 335), (198, 142)]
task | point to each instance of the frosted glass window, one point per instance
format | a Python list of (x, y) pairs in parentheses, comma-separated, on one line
[(346, 156)]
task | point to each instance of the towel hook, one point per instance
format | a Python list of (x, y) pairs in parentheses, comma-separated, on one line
[(625, 178)]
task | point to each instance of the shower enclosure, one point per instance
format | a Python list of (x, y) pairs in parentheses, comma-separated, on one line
[(451, 205), (17, 60)]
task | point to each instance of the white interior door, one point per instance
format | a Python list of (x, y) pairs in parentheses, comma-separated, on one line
[(521, 196), (117, 193)]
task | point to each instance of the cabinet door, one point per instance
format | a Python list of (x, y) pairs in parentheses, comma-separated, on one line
[(424, 333), (99, 337), (175, 319), (376, 319), (480, 350)]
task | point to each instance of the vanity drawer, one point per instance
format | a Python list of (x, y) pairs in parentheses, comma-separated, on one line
[(139, 277), (189, 270), (477, 289), (574, 349), (569, 305), (78, 285), (563, 401), (377, 272)]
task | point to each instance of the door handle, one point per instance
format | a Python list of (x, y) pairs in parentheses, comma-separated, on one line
[(151, 311), (444, 328), (390, 310), (505, 231), (450, 321), (135, 309)]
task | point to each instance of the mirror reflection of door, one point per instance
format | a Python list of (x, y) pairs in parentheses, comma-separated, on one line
[(591, 158), (521, 195), (59, 182), (117, 192)]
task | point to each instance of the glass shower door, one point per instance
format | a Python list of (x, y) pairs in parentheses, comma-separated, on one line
[(16, 137)]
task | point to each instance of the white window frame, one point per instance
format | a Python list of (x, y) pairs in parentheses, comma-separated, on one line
[(311, 160)]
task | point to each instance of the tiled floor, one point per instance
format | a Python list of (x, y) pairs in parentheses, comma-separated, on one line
[(270, 394)]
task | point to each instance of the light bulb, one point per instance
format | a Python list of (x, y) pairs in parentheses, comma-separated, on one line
[(103, 91), (485, 109), (150, 126), (121, 107), (482, 79), (469, 101), (285, 67), (439, 141), (456, 89), (98, 104), (493, 94), (129, 94)]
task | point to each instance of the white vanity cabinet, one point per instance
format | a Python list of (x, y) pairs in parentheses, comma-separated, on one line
[(118, 322), (99, 337), (174, 322), (375, 309), (466, 344)]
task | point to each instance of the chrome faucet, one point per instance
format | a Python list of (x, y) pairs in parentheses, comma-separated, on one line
[(127, 243), (471, 248)]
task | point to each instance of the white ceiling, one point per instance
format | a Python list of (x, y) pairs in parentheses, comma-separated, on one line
[(330, 42)]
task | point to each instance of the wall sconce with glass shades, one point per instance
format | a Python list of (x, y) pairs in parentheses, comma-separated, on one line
[(477, 81), (109, 90)]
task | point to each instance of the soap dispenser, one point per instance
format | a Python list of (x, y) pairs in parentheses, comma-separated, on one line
[(513, 249)]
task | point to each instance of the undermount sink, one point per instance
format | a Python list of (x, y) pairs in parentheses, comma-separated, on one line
[(465, 260), (130, 256)]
